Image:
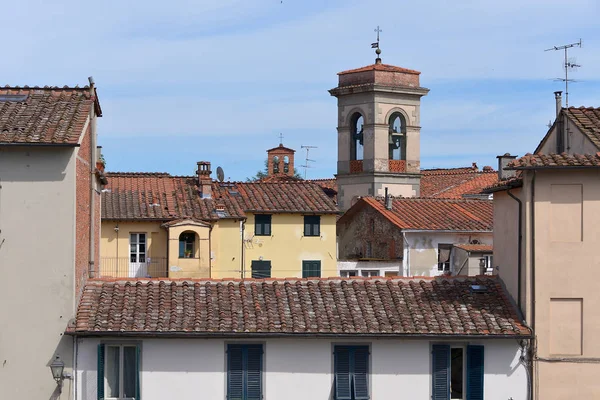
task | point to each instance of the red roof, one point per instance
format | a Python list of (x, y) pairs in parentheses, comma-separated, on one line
[(564, 160), (160, 196), (334, 306), (431, 214), (455, 183), (380, 67), (47, 115), (587, 119)]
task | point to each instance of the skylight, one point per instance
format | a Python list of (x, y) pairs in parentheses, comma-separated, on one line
[(13, 97)]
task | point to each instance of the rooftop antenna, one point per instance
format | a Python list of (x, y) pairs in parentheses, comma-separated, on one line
[(307, 160), (376, 46), (569, 64)]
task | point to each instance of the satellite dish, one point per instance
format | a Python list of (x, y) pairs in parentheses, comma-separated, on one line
[(220, 174)]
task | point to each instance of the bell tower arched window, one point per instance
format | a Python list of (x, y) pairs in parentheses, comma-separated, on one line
[(275, 165), (397, 137), (286, 164), (356, 132)]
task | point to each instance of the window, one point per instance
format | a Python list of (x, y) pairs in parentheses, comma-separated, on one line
[(347, 274), (452, 378), (118, 371), (312, 225), (397, 137), (186, 244), (261, 269), (244, 371), (356, 130), (368, 273), (262, 225), (311, 269), (444, 257), (351, 370), (137, 247)]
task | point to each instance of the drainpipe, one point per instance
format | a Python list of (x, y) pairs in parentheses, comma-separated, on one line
[(533, 345), (242, 228), (93, 150), (519, 248), (210, 251)]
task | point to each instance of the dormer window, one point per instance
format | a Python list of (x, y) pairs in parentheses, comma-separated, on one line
[(397, 137)]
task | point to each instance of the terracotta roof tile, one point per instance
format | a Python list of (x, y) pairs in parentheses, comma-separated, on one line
[(477, 248), (334, 306), (433, 214), (455, 183), (587, 119), (44, 115), (380, 67), (160, 196), (564, 160)]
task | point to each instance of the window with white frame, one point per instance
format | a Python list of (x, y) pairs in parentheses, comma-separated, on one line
[(347, 273), (370, 272), (118, 371)]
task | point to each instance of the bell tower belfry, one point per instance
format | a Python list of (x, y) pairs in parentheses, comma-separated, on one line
[(378, 131)]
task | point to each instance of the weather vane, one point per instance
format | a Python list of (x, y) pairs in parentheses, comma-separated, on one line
[(376, 44)]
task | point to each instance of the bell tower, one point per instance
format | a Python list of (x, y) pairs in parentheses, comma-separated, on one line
[(378, 131)]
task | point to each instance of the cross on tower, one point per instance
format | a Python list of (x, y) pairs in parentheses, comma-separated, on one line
[(378, 30), (376, 45), (280, 138)]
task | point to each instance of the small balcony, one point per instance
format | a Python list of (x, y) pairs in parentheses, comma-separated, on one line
[(356, 166), (123, 267), (397, 165)]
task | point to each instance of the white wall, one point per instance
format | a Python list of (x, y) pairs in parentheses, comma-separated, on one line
[(37, 249), (422, 249), (299, 369), (381, 266)]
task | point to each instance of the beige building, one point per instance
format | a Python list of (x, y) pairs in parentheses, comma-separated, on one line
[(49, 204), (378, 132), (546, 218)]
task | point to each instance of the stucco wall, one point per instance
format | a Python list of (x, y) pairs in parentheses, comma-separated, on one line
[(300, 369), (422, 257), (578, 142), (226, 249), (37, 253), (287, 246)]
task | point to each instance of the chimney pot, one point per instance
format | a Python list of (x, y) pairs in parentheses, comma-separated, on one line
[(558, 99), (503, 162)]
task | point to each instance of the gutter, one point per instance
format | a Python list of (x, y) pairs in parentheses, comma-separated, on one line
[(93, 150), (444, 231), (213, 335), (40, 144)]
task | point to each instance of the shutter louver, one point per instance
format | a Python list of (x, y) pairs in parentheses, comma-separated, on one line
[(235, 373), (440, 361), (360, 376), (474, 372), (138, 394), (100, 379), (253, 372), (343, 389)]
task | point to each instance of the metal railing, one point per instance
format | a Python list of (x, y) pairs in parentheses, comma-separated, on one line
[(122, 267)]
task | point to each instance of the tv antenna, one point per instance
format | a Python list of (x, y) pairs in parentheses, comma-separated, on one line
[(307, 160), (570, 63)]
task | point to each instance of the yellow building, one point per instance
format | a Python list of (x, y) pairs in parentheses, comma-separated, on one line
[(158, 225)]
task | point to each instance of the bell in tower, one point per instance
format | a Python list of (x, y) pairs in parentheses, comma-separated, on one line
[(378, 131)]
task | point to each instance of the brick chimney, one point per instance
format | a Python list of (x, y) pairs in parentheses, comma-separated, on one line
[(558, 99), (204, 179), (503, 161)]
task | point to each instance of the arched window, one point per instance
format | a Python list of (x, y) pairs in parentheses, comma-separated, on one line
[(286, 164), (397, 137), (187, 241), (356, 132), (275, 165)]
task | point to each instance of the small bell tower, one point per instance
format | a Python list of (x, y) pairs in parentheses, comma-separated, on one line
[(280, 161), (378, 131)]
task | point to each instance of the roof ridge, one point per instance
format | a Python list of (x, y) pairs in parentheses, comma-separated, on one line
[(27, 87)]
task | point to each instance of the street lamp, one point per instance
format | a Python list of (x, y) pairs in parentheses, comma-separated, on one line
[(57, 367)]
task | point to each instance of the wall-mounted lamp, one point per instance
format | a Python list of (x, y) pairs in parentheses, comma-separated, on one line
[(57, 367), (117, 228), (260, 258)]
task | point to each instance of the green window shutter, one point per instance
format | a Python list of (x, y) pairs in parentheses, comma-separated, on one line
[(312, 225), (100, 383), (343, 390), (361, 373), (261, 269), (181, 248), (440, 362), (253, 363), (474, 372), (311, 269), (267, 226), (317, 226), (138, 371), (235, 373)]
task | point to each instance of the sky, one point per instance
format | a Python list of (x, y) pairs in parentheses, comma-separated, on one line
[(182, 81)]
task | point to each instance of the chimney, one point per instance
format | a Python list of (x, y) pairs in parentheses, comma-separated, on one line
[(503, 161), (558, 99), (388, 200), (204, 180)]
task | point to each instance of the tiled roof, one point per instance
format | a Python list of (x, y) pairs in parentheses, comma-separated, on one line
[(476, 248), (564, 160), (506, 184), (431, 214), (334, 306), (380, 67), (454, 183), (160, 196), (48, 115), (587, 119)]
